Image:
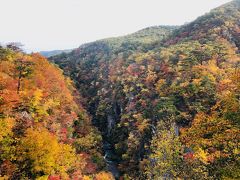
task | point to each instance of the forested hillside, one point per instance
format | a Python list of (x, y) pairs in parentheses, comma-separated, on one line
[(166, 99), (45, 133)]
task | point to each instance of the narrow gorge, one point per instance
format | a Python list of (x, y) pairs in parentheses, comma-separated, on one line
[(154, 93)]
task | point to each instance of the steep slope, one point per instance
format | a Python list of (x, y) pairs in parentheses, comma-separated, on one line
[(147, 99), (94, 58), (220, 22), (44, 130), (90, 61)]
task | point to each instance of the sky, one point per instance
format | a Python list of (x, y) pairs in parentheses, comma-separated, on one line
[(66, 24)]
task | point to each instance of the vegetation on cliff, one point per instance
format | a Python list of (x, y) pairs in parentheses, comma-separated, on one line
[(170, 107)]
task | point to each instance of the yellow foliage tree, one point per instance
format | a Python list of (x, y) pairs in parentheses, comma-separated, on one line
[(43, 154), (104, 176)]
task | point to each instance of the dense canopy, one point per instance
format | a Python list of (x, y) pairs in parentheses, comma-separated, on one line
[(166, 98), (162, 103)]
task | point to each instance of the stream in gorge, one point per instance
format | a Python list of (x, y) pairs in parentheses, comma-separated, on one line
[(111, 158)]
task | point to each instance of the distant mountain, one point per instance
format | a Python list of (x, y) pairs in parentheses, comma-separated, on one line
[(166, 99), (54, 52)]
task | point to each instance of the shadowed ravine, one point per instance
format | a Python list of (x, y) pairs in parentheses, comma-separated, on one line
[(111, 158)]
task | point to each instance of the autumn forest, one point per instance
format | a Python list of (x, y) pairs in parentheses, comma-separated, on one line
[(161, 103)]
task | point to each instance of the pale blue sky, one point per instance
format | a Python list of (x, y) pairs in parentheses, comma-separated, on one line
[(64, 24)]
